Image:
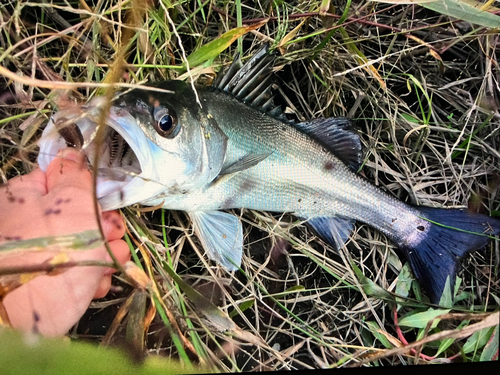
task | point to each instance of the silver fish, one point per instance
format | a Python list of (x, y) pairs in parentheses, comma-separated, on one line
[(237, 151)]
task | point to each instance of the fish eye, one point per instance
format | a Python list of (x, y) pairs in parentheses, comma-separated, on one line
[(165, 122)]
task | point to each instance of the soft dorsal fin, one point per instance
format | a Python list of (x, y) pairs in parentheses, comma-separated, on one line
[(252, 82), (337, 134)]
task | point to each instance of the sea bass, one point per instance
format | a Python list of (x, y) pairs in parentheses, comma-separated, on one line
[(227, 147)]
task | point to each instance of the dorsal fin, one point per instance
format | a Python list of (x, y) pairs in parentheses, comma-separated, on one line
[(337, 134), (252, 82), (223, 79)]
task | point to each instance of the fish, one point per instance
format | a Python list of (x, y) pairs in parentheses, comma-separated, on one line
[(228, 146)]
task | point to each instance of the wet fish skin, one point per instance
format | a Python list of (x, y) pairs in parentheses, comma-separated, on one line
[(317, 185), (228, 154)]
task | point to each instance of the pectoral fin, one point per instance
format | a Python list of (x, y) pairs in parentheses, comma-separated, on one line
[(334, 230), (246, 162), (221, 234)]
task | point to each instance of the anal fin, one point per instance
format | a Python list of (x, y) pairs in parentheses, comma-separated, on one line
[(334, 230)]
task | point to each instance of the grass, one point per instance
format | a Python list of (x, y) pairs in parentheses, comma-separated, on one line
[(423, 89)]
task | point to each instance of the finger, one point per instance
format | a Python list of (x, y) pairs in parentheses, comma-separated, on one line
[(103, 288), (121, 252), (32, 184), (113, 225), (68, 169)]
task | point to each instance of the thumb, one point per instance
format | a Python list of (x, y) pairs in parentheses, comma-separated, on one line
[(68, 169)]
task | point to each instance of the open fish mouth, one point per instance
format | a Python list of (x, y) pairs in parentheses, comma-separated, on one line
[(118, 160), (119, 153)]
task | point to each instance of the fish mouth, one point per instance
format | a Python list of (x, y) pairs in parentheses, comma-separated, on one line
[(118, 160), (123, 154)]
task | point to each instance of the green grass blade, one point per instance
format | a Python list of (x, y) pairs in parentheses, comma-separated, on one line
[(463, 11)]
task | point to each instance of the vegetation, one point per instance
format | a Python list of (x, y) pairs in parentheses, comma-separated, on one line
[(423, 88)]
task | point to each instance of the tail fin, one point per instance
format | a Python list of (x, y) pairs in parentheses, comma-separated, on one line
[(438, 255)]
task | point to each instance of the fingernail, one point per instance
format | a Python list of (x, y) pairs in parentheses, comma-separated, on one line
[(70, 154)]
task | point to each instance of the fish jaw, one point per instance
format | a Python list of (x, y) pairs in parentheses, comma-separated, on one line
[(153, 172)]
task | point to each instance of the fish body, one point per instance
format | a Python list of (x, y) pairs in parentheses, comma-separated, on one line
[(236, 151), (297, 174)]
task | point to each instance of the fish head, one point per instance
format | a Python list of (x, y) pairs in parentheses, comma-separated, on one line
[(182, 129), (156, 145)]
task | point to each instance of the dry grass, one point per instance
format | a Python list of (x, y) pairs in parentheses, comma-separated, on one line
[(425, 102)]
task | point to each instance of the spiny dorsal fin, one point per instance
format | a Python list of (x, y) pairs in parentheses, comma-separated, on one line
[(223, 79), (337, 134), (252, 82)]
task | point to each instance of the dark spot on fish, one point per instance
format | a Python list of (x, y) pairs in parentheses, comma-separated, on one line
[(394, 220), (67, 200), (20, 200), (329, 165), (36, 316), (122, 195), (421, 228), (315, 202), (57, 211), (11, 198), (59, 201), (300, 200), (246, 185), (283, 128), (228, 203), (47, 212), (13, 238)]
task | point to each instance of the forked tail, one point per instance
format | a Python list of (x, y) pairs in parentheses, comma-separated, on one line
[(438, 255)]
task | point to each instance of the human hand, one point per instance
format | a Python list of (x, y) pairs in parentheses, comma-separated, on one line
[(58, 202)]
